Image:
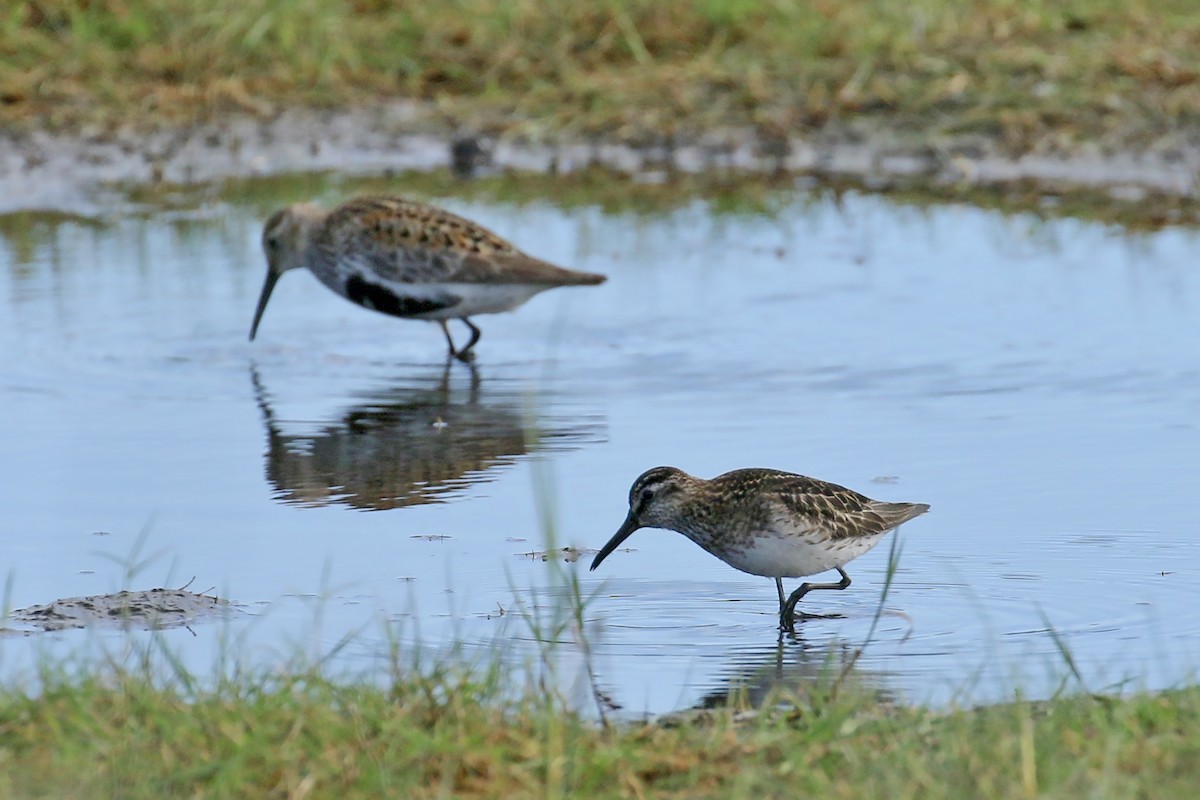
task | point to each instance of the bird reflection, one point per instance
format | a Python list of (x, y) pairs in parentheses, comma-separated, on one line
[(791, 668), (413, 443)]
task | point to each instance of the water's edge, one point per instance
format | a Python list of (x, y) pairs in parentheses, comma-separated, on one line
[(51, 170)]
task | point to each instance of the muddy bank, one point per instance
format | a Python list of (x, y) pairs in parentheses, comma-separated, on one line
[(64, 171), (155, 609)]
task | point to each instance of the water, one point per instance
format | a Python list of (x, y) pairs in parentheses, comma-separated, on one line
[(1035, 381)]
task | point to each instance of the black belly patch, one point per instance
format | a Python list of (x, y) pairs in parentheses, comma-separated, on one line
[(380, 298)]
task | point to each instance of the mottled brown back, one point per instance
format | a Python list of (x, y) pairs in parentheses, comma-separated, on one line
[(407, 242)]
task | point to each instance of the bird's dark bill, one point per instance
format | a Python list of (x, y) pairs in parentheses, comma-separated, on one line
[(627, 527), (268, 287)]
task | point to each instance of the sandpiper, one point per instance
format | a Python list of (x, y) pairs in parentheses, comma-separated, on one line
[(408, 260), (764, 522)]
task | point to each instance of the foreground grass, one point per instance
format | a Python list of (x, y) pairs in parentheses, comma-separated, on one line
[(1025, 73), (302, 735)]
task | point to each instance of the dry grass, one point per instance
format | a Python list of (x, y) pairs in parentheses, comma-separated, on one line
[(1026, 73)]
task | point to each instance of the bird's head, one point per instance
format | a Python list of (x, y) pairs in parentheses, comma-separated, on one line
[(654, 500), (285, 238)]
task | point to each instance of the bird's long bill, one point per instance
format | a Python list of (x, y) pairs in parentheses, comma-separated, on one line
[(268, 287), (627, 527)]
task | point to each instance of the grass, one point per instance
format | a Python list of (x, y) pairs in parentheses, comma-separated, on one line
[(1025, 73), (453, 734)]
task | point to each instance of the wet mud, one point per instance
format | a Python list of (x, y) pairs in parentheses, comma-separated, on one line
[(153, 609)]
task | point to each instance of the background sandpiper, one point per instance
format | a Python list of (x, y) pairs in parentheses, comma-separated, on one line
[(409, 260)]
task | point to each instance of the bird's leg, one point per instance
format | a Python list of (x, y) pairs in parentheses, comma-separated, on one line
[(449, 341), (787, 616), (465, 353), (782, 601)]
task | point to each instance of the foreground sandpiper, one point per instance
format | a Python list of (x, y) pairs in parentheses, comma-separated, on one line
[(407, 260), (764, 522)]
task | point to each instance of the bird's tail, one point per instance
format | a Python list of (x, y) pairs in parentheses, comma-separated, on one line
[(585, 278)]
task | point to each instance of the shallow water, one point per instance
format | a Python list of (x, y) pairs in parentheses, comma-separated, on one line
[(1036, 382)]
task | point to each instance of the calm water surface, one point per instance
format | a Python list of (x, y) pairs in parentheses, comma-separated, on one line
[(1036, 382)]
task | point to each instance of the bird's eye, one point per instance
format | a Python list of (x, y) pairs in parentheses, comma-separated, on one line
[(272, 244), (647, 496)]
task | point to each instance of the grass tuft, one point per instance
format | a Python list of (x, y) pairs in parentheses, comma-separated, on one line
[(445, 732)]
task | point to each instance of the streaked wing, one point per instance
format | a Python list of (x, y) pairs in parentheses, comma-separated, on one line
[(843, 512)]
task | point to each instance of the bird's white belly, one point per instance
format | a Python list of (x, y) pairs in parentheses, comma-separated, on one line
[(796, 556), (474, 298)]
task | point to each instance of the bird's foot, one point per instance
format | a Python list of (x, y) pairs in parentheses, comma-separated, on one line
[(789, 624)]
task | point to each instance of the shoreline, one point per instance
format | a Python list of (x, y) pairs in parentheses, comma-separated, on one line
[(58, 171)]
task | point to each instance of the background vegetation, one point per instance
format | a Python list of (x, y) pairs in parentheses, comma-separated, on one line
[(1025, 73)]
